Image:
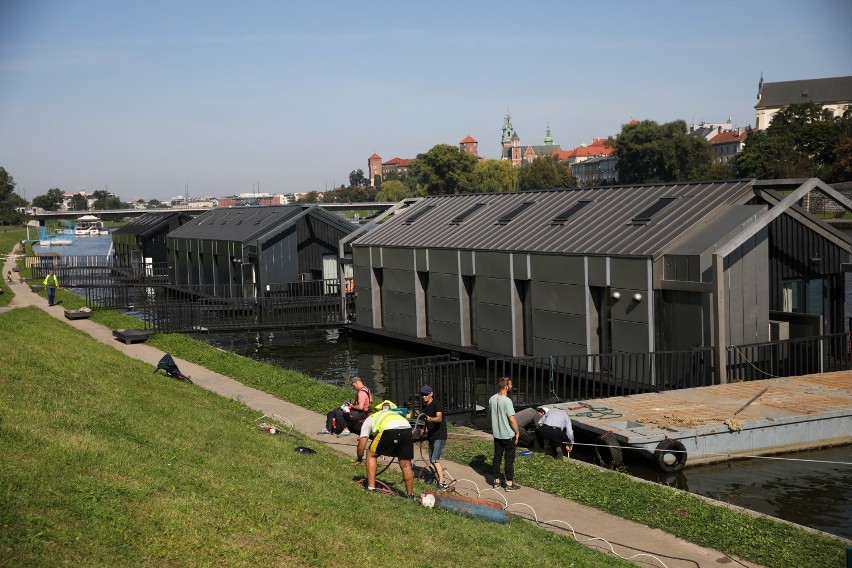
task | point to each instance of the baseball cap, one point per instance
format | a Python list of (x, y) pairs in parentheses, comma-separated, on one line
[(425, 389)]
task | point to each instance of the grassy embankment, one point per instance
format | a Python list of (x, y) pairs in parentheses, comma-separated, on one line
[(107, 464), (760, 540)]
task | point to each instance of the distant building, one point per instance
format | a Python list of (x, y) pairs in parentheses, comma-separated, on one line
[(397, 166), (144, 238), (726, 145), (600, 170), (374, 167), (255, 251), (834, 94), (469, 145), (596, 149), (513, 151)]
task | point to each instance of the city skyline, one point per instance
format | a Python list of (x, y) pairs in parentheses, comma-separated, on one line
[(155, 99)]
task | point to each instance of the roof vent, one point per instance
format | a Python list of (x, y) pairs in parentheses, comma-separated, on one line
[(645, 216), (464, 215), (413, 217), (504, 220), (570, 212)]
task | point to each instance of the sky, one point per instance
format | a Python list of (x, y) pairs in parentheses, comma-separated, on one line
[(157, 99)]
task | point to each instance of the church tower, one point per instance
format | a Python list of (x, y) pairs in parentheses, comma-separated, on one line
[(508, 135), (374, 166)]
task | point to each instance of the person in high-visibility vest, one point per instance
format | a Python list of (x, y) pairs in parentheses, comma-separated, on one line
[(52, 283), (391, 436)]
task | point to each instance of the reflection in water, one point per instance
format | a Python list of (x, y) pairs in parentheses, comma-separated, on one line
[(330, 355), (803, 487)]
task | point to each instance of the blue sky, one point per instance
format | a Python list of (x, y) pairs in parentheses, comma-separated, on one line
[(149, 98)]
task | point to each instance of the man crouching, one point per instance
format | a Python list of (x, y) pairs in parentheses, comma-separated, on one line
[(390, 435)]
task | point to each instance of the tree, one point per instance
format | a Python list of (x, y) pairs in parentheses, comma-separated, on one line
[(544, 172), (394, 190), (51, 201), (10, 201), (106, 200), (357, 178), (802, 140), (495, 176), (648, 152), (154, 204), (78, 202), (443, 170)]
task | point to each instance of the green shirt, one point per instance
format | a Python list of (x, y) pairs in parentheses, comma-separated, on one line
[(51, 281), (501, 408)]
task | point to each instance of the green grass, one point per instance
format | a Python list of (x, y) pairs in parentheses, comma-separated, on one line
[(758, 539), (107, 464), (769, 542)]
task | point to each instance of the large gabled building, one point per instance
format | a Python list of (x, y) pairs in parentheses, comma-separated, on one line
[(255, 251), (833, 93), (606, 270)]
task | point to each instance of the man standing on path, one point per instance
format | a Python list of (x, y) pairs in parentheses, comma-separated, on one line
[(436, 431), (504, 428), (52, 283)]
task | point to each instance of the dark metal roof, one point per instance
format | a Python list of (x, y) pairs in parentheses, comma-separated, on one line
[(608, 226), (235, 223), (242, 224), (822, 91), (150, 223)]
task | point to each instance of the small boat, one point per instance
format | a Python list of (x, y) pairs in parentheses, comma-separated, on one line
[(89, 225)]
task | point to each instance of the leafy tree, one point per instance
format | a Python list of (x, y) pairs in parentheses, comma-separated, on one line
[(9, 200), (545, 172), (394, 190), (51, 201), (648, 152), (310, 197), (154, 203), (802, 140), (105, 200), (495, 176), (442, 170), (357, 178), (78, 202)]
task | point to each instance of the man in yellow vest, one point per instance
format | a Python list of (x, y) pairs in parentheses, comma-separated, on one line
[(389, 435), (52, 283)]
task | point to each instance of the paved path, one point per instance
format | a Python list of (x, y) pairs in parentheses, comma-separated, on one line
[(628, 539)]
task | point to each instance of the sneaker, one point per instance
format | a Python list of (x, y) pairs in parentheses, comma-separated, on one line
[(344, 433), (373, 489), (413, 497), (496, 483), (442, 487), (513, 487), (323, 431)]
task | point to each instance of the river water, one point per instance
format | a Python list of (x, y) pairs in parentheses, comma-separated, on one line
[(811, 488)]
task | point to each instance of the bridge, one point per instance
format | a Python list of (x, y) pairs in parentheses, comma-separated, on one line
[(120, 214)]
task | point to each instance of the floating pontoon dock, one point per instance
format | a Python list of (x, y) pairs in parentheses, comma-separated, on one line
[(721, 422)]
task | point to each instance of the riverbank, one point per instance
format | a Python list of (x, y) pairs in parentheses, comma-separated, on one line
[(772, 543)]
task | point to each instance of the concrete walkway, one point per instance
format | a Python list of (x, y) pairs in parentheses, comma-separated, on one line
[(643, 545)]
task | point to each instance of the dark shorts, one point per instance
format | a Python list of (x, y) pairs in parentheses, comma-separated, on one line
[(394, 443)]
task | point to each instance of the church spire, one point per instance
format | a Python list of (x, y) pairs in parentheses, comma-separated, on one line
[(508, 131), (548, 139)]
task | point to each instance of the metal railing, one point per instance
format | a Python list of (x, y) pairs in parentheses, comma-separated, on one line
[(570, 377), (788, 358)]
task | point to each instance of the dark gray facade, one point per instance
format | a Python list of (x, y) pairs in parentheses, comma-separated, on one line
[(254, 251), (604, 270), (145, 236)]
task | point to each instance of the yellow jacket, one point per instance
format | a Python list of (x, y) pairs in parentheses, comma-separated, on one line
[(55, 280)]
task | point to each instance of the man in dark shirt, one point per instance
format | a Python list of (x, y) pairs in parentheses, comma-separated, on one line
[(436, 431)]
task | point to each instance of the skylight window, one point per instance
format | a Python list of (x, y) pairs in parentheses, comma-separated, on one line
[(415, 216), (466, 214), (504, 220), (649, 213), (570, 212)]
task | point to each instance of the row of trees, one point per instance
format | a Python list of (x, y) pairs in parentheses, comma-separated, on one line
[(802, 141)]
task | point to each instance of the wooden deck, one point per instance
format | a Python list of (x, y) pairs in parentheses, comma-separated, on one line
[(722, 422)]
